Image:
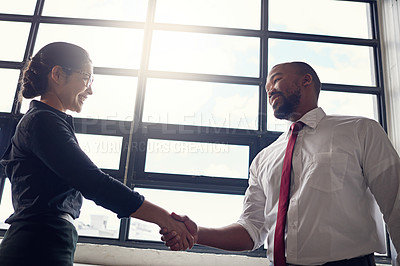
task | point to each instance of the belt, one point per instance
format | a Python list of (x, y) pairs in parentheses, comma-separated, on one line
[(66, 217), (367, 260)]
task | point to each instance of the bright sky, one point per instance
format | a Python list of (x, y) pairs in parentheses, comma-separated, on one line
[(191, 102)]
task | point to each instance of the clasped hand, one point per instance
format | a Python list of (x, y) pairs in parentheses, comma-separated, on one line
[(174, 240)]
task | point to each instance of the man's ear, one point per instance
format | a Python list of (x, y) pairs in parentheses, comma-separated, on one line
[(57, 74), (307, 80)]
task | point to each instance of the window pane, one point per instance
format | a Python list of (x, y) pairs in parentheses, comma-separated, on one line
[(23, 7), (222, 13), (334, 63), (12, 47), (9, 80), (25, 104), (205, 53), (197, 158), (97, 221), (354, 104), (104, 151), (201, 104), (6, 208), (114, 10), (113, 98), (198, 206), (108, 47), (327, 17)]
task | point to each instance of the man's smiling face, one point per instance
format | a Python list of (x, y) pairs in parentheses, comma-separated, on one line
[(283, 90)]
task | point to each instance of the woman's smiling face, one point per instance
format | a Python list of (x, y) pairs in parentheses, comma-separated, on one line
[(77, 88)]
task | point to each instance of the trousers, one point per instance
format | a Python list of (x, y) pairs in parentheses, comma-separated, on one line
[(367, 260), (46, 241)]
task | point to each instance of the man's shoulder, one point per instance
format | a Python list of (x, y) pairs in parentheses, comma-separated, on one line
[(346, 117), (350, 126), (348, 120)]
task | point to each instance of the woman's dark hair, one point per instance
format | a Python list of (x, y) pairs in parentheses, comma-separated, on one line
[(34, 75)]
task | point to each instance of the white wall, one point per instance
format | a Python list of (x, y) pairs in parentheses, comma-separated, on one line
[(389, 11), (90, 254)]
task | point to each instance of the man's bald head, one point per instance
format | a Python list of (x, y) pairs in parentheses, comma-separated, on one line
[(303, 68)]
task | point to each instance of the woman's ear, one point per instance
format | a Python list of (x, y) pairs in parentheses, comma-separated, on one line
[(57, 74)]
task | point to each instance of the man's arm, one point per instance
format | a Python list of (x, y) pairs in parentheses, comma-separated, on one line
[(381, 166), (233, 237)]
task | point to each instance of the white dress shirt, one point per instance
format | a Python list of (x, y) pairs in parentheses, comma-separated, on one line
[(337, 162)]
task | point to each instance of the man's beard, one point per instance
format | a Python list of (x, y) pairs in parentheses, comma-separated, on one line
[(289, 104)]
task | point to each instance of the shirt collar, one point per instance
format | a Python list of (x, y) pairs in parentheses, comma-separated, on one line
[(42, 106), (311, 119)]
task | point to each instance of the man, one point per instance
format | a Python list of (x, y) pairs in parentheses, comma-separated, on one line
[(341, 166)]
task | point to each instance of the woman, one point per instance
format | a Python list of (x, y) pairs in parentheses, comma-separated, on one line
[(49, 172)]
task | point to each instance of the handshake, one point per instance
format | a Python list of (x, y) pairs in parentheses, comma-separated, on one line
[(181, 237)]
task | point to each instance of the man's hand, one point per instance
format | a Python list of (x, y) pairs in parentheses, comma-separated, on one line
[(171, 238), (150, 212), (183, 238)]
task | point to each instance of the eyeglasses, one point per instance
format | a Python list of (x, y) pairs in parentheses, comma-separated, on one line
[(89, 77)]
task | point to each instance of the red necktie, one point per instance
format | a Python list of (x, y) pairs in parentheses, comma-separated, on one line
[(279, 239)]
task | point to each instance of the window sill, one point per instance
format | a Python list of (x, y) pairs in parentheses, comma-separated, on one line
[(93, 254)]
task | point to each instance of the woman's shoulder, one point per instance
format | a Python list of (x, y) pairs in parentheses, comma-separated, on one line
[(35, 114), (40, 119)]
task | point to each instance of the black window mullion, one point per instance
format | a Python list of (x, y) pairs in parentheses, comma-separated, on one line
[(204, 77), (92, 22), (322, 38), (29, 48), (136, 132), (262, 116)]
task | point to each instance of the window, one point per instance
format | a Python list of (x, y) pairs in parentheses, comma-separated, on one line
[(353, 20), (197, 158), (200, 103), (6, 205), (179, 109), (198, 206), (9, 79), (334, 63)]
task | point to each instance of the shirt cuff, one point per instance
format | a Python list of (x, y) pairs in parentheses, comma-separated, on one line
[(253, 234)]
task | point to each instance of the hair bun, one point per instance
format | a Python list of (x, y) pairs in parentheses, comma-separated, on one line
[(32, 82)]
